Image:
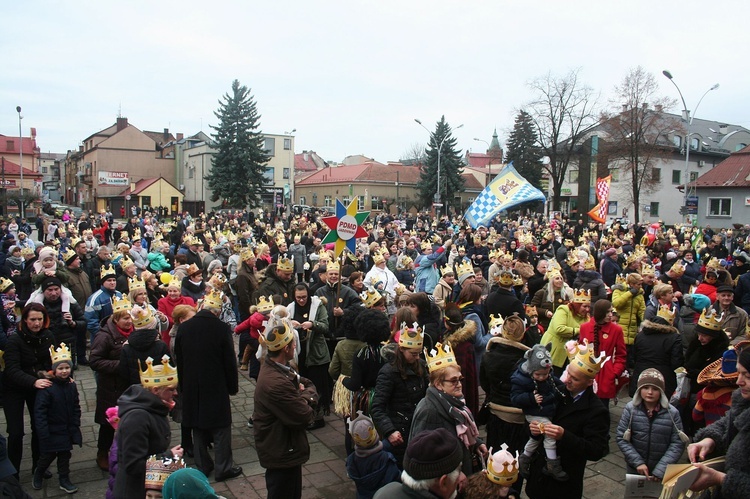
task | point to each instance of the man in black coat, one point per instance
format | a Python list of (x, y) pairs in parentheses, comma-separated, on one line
[(204, 350), (64, 324), (503, 301)]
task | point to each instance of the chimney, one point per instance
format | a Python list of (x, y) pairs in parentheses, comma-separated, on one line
[(306, 156), (122, 124), (80, 148), (166, 134), (723, 129), (180, 136), (659, 108), (644, 105), (624, 108)]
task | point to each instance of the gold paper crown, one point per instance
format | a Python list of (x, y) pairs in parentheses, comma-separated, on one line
[(620, 279), (231, 237), (333, 265), (378, 258), (27, 251), (581, 296), (121, 305), (193, 270), (507, 257), (647, 269), (569, 243), (136, 234), (440, 357), (714, 264), (461, 248), (265, 305), (677, 269), (446, 269), (464, 268), (517, 280), (502, 467), (324, 255), (60, 354), (125, 262), (411, 338), (367, 440), (213, 299), (496, 324), (425, 245), (136, 283), (158, 469), (590, 263), (275, 340), (404, 262), (68, 254), (370, 297), (572, 260), (631, 258), (506, 278), (531, 311), (285, 264), (247, 253), (711, 320), (492, 254), (108, 271), (551, 274), (74, 242), (5, 284), (159, 375), (218, 280), (143, 317), (667, 313), (584, 359)]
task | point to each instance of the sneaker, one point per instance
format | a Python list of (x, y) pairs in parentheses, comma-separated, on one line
[(37, 482), (67, 486), (243, 367)]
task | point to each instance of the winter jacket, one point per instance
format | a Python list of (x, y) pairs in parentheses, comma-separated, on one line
[(612, 343), (166, 306), (245, 285), (366, 366), (274, 285), (316, 348), (504, 302), (143, 431), (498, 364), (712, 403), (732, 437), (652, 308), (610, 270), (343, 357), (654, 441), (395, 399), (79, 285), (158, 262), (372, 472), (345, 298), (426, 274), (565, 325), (282, 413), (299, 255), (192, 290), (442, 293), (543, 305), (524, 387), (105, 360), (591, 280), (659, 346), (142, 344), (631, 309), (26, 355), (734, 320), (462, 342), (698, 356), (62, 332), (432, 324), (98, 307), (57, 415), (742, 292)]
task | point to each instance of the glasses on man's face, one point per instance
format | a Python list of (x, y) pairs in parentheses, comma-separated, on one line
[(454, 381)]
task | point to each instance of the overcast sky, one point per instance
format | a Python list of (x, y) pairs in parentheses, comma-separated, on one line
[(350, 76)]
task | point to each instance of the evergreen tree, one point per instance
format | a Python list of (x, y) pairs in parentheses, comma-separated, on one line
[(238, 173), (451, 168), (523, 150)]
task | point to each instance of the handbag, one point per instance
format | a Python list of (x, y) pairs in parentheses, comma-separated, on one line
[(483, 416)]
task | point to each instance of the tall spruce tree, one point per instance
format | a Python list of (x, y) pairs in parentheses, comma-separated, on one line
[(451, 168), (523, 150), (237, 176)]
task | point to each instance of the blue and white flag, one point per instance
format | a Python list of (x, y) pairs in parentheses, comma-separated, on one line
[(507, 190)]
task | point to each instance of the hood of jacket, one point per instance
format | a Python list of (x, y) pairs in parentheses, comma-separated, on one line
[(588, 275), (137, 397), (650, 327), (142, 339), (462, 334)]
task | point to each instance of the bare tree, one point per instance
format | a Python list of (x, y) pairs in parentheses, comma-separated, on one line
[(415, 153), (638, 136), (564, 108)]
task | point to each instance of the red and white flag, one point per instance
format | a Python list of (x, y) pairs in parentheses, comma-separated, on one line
[(599, 212)]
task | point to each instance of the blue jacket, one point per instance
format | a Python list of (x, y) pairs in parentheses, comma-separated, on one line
[(522, 394), (99, 306), (426, 274), (372, 472)]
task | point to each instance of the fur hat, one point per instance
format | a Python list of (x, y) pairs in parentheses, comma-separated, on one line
[(651, 377), (537, 358), (432, 454)]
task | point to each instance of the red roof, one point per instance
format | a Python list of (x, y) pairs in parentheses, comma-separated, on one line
[(13, 169), (478, 159), (732, 172), (302, 165), (140, 186), (367, 172), (29, 145)]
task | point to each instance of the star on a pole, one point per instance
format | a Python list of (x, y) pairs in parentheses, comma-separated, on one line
[(345, 227)]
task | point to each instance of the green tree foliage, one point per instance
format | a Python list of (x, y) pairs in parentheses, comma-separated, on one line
[(523, 150), (451, 167), (237, 175)]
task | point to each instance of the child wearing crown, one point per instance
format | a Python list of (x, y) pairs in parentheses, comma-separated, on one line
[(497, 479), (57, 416), (254, 326), (46, 266), (370, 466)]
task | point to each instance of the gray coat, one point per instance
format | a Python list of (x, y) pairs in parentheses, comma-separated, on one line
[(655, 444), (737, 449)]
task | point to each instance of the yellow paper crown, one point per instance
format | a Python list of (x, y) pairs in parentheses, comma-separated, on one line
[(496, 324), (581, 296), (461, 248), (404, 262), (214, 299), (370, 297), (247, 253), (107, 272), (531, 311), (425, 245), (60, 354), (464, 268), (713, 263), (590, 263), (377, 258), (506, 278), (324, 255), (506, 257), (333, 265), (517, 280), (631, 258), (125, 262), (677, 269), (136, 283), (193, 270), (502, 467), (121, 305), (620, 279), (583, 357), (68, 254), (711, 320), (551, 274), (27, 251), (217, 281), (667, 313), (158, 469), (411, 338), (446, 269), (143, 317), (366, 440), (572, 260), (265, 304), (159, 375), (5, 284), (647, 269), (285, 264), (440, 357), (275, 340)]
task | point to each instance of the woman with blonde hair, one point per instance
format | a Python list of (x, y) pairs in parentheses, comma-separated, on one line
[(553, 294)]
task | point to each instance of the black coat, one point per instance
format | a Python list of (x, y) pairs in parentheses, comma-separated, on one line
[(505, 303), (658, 346), (698, 356), (208, 371), (25, 356), (142, 344), (105, 360), (498, 364), (396, 399), (57, 414), (586, 438), (62, 332)]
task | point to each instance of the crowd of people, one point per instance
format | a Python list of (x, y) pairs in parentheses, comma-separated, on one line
[(554, 320)]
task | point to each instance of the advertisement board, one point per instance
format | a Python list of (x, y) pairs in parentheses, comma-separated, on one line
[(113, 178)]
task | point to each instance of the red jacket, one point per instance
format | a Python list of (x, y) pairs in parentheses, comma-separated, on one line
[(612, 342), (166, 306), (255, 324)]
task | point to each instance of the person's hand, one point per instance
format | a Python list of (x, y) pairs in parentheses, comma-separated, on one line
[(534, 428), (67, 316), (553, 431), (707, 477), (42, 383), (177, 451), (538, 398), (395, 438), (549, 313), (643, 470), (483, 451), (49, 273), (10, 305), (678, 294), (337, 311), (699, 450), (295, 324), (448, 243), (307, 325)]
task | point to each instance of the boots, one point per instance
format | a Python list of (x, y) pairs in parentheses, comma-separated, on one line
[(67, 485), (524, 465), (245, 358), (38, 481), (554, 469), (102, 460)]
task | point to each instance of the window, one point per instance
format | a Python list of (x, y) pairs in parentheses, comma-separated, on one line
[(739, 147), (376, 203), (327, 201), (654, 209), (270, 175), (615, 172), (302, 200), (146, 201), (677, 141), (360, 203), (720, 207), (10, 145), (269, 144), (191, 172), (694, 143), (676, 176), (346, 200), (573, 176), (693, 176), (287, 144), (286, 173), (44, 169), (656, 174)]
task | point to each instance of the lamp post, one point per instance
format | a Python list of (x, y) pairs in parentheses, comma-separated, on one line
[(20, 160), (291, 168), (689, 121), (439, 153), (489, 163)]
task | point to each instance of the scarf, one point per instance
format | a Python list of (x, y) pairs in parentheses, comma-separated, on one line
[(16, 261), (466, 428), (123, 332)]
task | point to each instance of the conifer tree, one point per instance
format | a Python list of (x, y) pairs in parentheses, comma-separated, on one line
[(523, 150), (239, 165), (451, 168)]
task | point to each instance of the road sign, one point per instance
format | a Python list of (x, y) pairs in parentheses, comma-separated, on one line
[(437, 205), (128, 198)]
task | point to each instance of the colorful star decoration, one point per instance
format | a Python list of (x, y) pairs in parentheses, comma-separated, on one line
[(345, 227)]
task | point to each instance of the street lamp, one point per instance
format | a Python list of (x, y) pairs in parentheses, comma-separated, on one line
[(439, 152), (20, 159), (689, 120), (291, 169), (489, 163)]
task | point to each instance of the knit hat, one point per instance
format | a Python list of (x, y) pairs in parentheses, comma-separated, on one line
[(537, 358), (365, 436), (46, 252), (513, 328), (610, 252), (51, 281), (697, 301), (650, 377), (188, 483), (432, 454)]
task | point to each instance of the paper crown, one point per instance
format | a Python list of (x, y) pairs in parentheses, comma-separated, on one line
[(370, 297), (377, 258), (531, 311), (214, 299), (411, 338), (582, 357), (60, 354), (551, 274), (572, 259), (506, 257), (324, 255), (121, 305), (506, 278), (667, 313), (27, 251), (461, 248), (502, 467), (403, 262), (218, 280), (446, 269), (713, 264), (440, 357), (143, 317), (275, 340), (107, 272), (581, 296), (425, 245), (193, 270), (711, 320), (367, 436), (5, 284), (677, 269), (631, 258), (517, 280), (158, 469), (285, 264), (265, 305), (590, 263), (160, 375), (136, 283), (125, 262), (464, 269), (647, 269), (333, 266), (247, 253), (496, 324), (620, 279), (68, 254)]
